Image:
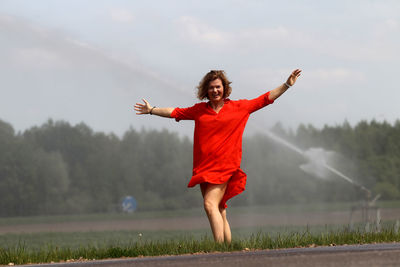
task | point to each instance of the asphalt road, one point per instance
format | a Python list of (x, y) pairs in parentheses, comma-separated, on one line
[(387, 254)]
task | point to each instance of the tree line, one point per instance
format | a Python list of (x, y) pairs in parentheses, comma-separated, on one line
[(59, 168)]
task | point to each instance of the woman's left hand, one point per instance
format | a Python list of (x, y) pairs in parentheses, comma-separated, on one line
[(293, 77)]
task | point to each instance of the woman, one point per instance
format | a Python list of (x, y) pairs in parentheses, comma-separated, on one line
[(217, 148)]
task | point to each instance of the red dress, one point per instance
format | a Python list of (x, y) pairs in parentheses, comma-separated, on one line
[(217, 148)]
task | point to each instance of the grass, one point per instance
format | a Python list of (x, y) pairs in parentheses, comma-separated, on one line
[(22, 252), (34, 241), (22, 248)]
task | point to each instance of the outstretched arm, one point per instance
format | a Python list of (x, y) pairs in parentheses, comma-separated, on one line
[(147, 109), (277, 92)]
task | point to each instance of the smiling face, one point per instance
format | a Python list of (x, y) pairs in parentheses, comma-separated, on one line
[(215, 91), (213, 76)]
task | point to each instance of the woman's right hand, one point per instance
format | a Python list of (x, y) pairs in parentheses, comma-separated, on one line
[(142, 108)]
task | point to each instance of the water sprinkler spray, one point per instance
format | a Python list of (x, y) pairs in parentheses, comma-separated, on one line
[(317, 165), (361, 187), (317, 162)]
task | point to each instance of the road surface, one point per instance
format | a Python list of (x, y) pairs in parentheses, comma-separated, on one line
[(387, 254)]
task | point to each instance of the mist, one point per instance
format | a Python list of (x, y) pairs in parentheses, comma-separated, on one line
[(71, 71), (64, 167), (48, 74), (90, 63)]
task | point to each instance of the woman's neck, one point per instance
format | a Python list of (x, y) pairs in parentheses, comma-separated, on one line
[(217, 105)]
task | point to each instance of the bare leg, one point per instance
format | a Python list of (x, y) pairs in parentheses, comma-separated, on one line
[(227, 228), (212, 194)]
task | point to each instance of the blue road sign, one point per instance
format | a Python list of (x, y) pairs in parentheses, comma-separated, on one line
[(129, 204)]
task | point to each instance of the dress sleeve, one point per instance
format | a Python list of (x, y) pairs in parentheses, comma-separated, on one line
[(185, 113), (258, 103)]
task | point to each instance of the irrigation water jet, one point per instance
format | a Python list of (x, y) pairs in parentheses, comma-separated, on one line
[(317, 161), (317, 165)]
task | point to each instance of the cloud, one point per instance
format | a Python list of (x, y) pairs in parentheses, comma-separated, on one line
[(311, 80), (121, 15), (336, 76), (30, 46), (392, 24), (197, 31), (279, 33), (251, 40), (387, 29)]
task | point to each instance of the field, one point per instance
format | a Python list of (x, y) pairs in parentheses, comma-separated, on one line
[(162, 232)]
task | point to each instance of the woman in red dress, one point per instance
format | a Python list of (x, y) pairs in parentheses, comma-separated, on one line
[(217, 147)]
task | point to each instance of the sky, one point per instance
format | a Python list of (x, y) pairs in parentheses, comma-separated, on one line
[(91, 60)]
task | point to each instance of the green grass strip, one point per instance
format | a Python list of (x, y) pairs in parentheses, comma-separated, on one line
[(21, 254)]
